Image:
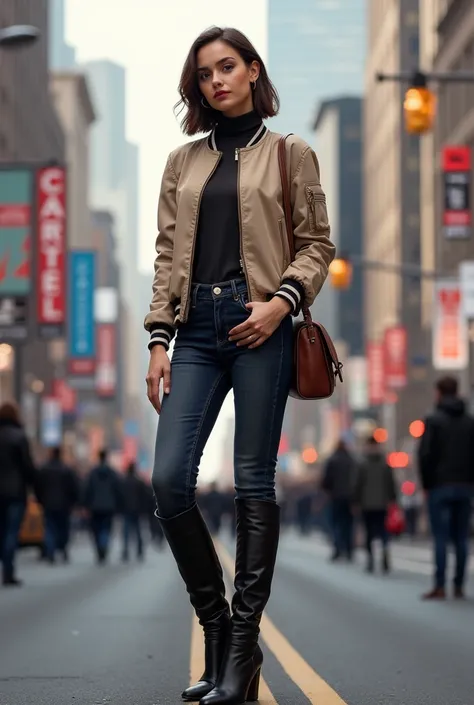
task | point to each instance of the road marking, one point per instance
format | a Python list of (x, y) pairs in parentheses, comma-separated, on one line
[(313, 686)]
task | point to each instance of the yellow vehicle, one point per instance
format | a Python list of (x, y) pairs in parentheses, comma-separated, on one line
[(32, 528)]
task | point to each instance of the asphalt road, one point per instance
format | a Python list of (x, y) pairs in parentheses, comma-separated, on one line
[(88, 635)]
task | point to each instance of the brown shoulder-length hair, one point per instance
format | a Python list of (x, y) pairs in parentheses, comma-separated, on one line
[(200, 119)]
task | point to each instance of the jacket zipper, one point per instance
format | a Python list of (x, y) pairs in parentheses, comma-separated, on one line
[(188, 301), (311, 198), (242, 259)]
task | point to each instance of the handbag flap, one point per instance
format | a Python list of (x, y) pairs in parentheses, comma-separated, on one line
[(330, 348)]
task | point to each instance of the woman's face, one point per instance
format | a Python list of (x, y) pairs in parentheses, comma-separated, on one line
[(225, 79)]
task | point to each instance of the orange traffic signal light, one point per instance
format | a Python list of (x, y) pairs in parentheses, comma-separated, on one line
[(420, 109), (340, 273)]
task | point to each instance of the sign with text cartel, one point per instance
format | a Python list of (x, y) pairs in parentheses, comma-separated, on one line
[(81, 339), (457, 215), (51, 257)]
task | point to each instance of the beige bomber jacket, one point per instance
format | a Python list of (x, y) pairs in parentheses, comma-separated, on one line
[(264, 248)]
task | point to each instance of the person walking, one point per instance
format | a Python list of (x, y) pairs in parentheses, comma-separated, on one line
[(18, 477), (446, 464), (134, 506), (374, 492), (338, 482), (224, 280), (59, 494), (103, 500)]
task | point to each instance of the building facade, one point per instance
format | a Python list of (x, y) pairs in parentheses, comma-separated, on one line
[(30, 132), (392, 201), (447, 46), (76, 112), (62, 56), (338, 129), (316, 49)]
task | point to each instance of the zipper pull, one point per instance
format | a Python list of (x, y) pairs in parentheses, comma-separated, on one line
[(237, 154)]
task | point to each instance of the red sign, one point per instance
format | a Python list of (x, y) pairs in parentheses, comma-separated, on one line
[(51, 246), (376, 373), (457, 216), (395, 357), (14, 216), (106, 371), (82, 366), (450, 329), (66, 396)]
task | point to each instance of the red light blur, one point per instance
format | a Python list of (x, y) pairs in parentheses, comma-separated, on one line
[(408, 488), (417, 429), (398, 460)]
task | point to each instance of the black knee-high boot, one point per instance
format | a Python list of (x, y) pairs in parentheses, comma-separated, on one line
[(258, 525), (195, 555)]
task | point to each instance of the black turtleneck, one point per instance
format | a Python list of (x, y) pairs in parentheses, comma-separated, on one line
[(217, 253)]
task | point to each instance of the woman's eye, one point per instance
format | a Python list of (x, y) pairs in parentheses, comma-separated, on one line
[(229, 67), (203, 76)]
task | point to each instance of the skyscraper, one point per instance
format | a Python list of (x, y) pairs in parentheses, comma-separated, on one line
[(62, 56), (316, 50)]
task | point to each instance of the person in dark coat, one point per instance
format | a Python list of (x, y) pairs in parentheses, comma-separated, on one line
[(103, 499), (338, 483), (374, 492), (59, 493), (17, 478), (446, 464), (134, 505)]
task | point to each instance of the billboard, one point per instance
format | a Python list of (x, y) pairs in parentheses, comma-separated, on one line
[(16, 197), (81, 338), (376, 373), (357, 393), (51, 251), (450, 328), (457, 215), (395, 357), (106, 369)]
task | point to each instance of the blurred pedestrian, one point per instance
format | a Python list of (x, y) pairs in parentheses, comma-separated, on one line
[(213, 507), (134, 507), (225, 281), (59, 494), (103, 500), (339, 483), (18, 477), (374, 492), (446, 463)]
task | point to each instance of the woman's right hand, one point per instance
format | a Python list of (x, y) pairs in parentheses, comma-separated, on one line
[(158, 369)]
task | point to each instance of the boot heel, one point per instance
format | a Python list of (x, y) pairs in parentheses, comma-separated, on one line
[(252, 693)]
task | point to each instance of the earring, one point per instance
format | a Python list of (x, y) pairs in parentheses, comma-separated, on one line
[(204, 104), (254, 84)]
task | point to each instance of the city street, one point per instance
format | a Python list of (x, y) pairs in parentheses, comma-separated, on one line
[(124, 634)]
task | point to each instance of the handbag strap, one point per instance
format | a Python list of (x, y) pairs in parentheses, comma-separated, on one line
[(285, 189)]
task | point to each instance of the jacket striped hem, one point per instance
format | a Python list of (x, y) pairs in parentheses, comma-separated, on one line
[(160, 336), (293, 292)]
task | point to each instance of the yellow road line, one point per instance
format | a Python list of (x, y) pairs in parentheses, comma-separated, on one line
[(310, 683)]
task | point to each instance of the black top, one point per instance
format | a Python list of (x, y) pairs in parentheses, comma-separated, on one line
[(217, 254)]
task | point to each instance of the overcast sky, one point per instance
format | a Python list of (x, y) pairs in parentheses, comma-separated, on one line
[(151, 39)]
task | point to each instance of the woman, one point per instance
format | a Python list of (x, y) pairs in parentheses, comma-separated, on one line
[(17, 476), (224, 280)]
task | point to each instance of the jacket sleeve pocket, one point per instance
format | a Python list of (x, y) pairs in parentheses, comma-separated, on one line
[(317, 209)]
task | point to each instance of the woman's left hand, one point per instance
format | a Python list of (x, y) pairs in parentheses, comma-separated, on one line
[(262, 322)]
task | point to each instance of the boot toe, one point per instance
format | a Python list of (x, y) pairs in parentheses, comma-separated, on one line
[(197, 691)]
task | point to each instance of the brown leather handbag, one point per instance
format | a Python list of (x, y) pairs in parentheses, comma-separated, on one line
[(315, 362)]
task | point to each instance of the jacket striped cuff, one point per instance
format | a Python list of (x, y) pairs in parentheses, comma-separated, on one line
[(160, 335), (293, 292)]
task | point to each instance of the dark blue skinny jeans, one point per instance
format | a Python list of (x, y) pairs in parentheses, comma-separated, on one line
[(205, 366)]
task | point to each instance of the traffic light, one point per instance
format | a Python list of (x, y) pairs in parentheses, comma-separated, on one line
[(420, 109), (340, 273)]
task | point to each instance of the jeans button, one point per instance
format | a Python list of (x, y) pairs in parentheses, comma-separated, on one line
[(217, 290)]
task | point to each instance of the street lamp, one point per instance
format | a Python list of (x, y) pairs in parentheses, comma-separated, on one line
[(18, 35)]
